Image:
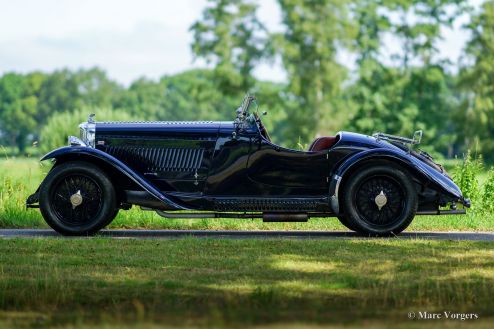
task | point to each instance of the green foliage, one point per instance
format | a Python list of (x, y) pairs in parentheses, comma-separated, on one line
[(230, 36), (193, 95), (61, 125), (466, 176), (18, 107), (416, 94), (308, 47), (477, 110), (488, 193), (144, 98), (64, 91), (27, 101)]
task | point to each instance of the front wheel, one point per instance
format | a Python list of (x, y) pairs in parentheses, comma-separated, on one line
[(77, 198), (380, 200)]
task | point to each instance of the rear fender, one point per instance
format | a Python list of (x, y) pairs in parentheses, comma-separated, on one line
[(417, 168), (87, 153)]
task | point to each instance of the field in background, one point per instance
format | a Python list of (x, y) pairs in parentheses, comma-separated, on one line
[(20, 177), (221, 283)]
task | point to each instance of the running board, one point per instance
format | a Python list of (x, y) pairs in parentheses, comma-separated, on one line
[(267, 217)]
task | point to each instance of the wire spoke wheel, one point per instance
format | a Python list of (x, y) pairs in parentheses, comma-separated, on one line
[(77, 198), (379, 200), (370, 190), (76, 186)]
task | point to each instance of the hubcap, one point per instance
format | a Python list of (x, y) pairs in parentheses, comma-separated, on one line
[(76, 199), (381, 200)]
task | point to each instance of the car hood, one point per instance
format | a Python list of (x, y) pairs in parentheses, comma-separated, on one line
[(158, 128)]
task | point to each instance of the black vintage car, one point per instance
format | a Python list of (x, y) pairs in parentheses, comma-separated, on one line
[(374, 185)]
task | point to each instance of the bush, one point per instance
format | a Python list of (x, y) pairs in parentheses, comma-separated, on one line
[(466, 176), (488, 192), (61, 125)]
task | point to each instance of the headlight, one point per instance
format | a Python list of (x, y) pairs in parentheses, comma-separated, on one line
[(88, 133)]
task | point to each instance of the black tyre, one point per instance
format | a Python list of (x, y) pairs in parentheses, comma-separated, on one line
[(112, 217), (344, 221), (77, 198), (380, 200)]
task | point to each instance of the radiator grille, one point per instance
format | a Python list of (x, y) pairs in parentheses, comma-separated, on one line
[(159, 159)]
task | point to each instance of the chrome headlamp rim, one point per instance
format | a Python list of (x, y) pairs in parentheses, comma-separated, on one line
[(88, 133)]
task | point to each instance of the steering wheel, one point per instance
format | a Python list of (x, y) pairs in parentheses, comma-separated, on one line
[(262, 128)]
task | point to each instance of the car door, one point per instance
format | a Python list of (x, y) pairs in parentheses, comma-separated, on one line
[(279, 171)]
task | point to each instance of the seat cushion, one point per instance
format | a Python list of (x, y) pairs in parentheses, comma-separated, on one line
[(323, 143)]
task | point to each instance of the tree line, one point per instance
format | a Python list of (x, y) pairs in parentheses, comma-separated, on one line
[(340, 75)]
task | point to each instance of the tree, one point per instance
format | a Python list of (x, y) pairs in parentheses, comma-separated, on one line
[(417, 93), (65, 90), (231, 37), (314, 32), (476, 114), (59, 93), (94, 88), (144, 98), (193, 95), (418, 27), (18, 107), (60, 125)]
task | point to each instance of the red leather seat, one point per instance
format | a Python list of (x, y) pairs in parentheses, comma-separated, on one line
[(323, 143)]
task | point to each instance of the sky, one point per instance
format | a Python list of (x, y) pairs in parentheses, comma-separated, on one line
[(129, 39)]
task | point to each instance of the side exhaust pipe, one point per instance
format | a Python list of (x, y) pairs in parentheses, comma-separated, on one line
[(269, 218), (284, 217)]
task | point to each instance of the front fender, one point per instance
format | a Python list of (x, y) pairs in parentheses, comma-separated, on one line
[(416, 167), (81, 152)]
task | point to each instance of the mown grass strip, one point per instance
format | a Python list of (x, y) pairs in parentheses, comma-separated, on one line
[(248, 282)]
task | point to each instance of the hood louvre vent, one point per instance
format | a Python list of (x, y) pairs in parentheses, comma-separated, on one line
[(159, 159)]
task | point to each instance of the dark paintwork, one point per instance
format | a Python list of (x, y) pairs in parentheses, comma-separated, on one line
[(86, 153), (223, 167)]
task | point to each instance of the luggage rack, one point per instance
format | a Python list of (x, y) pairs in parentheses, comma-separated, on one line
[(415, 140)]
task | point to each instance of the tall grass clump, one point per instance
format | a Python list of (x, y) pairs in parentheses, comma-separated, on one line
[(466, 176), (18, 179), (488, 193)]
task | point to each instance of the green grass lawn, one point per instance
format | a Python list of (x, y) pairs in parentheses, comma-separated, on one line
[(20, 177), (275, 283), (236, 283)]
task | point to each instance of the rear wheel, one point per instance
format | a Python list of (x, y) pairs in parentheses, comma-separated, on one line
[(344, 221), (380, 200), (77, 198)]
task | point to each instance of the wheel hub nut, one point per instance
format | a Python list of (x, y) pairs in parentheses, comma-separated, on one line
[(381, 200), (76, 199)]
